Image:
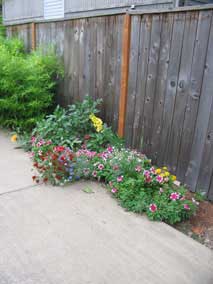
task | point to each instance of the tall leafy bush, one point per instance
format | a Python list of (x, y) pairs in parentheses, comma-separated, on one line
[(27, 85)]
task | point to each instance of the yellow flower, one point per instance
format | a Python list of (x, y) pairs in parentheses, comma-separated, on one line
[(174, 178), (166, 174), (97, 122), (165, 168), (158, 171), (14, 138)]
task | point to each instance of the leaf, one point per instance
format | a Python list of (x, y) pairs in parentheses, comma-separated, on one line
[(88, 190)]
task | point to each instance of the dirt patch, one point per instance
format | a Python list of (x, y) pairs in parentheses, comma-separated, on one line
[(200, 226)]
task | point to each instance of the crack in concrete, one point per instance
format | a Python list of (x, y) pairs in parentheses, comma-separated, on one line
[(19, 189)]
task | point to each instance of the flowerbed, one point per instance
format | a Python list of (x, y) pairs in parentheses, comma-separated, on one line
[(75, 144), (129, 176)]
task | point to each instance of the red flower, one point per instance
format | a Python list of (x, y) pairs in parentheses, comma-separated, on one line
[(153, 208), (33, 177), (59, 148)]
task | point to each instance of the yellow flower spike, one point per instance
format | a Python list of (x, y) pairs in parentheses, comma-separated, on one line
[(166, 174), (14, 138), (158, 171)]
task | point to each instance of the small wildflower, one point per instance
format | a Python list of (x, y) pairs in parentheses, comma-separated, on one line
[(174, 178), (114, 190), (159, 179), (158, 171), (153, 208), (100, 167), (174, 196), (186, 207), (165, 168), (138, 169), (161, 190), (94, 174), (120, 179), (14, 138)]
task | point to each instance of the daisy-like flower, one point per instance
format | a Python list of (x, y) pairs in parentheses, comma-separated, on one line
[(94, 174), (174, 196), (100, 167), (120, 179), (159, 179), (114, 190), (153, 208), (186, 207), (138, 169)]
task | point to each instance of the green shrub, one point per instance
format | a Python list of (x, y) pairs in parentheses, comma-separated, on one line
[(73, 127), (27, 85)]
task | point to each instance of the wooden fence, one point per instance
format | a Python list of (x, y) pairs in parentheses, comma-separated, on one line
[(162, 76)]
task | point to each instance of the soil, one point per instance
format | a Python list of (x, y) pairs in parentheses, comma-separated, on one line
[(200, 226)]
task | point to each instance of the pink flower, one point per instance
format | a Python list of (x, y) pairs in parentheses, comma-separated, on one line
[(153, 208), (148, 179), (120, 179), (114, 190), (33, 139), (94, 174), (159, 179), (186, 207), (152, 170), (100, 167), (183, 198), (138, 169), (146, 173), (110, 149), (174, 196), (31, 154), (49, 142)]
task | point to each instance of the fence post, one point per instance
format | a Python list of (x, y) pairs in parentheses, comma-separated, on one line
[(124, 74), (33, 34)]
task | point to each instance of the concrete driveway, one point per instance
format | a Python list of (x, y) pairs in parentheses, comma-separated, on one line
[(66, 236)]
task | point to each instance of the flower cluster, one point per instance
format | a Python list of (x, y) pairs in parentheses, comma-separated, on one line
[(97, 122), (129, 176)]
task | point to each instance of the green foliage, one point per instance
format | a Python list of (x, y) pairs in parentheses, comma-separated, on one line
[(129, 176), (27, 85), (72, 127)]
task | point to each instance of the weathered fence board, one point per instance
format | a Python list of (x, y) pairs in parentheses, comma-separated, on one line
[(169, 112)]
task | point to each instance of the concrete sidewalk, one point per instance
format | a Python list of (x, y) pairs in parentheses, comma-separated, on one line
[(66, 236)]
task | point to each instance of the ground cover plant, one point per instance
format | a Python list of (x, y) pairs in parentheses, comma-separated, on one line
[(27, 85), (82, 151)]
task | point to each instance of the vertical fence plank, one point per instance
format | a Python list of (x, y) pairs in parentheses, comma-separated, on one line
[(124, 75), (143, 61), (166, 35), (182, 90), (202, 119), (134, 55), (206, 168), (172, 80), (154, 52)]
